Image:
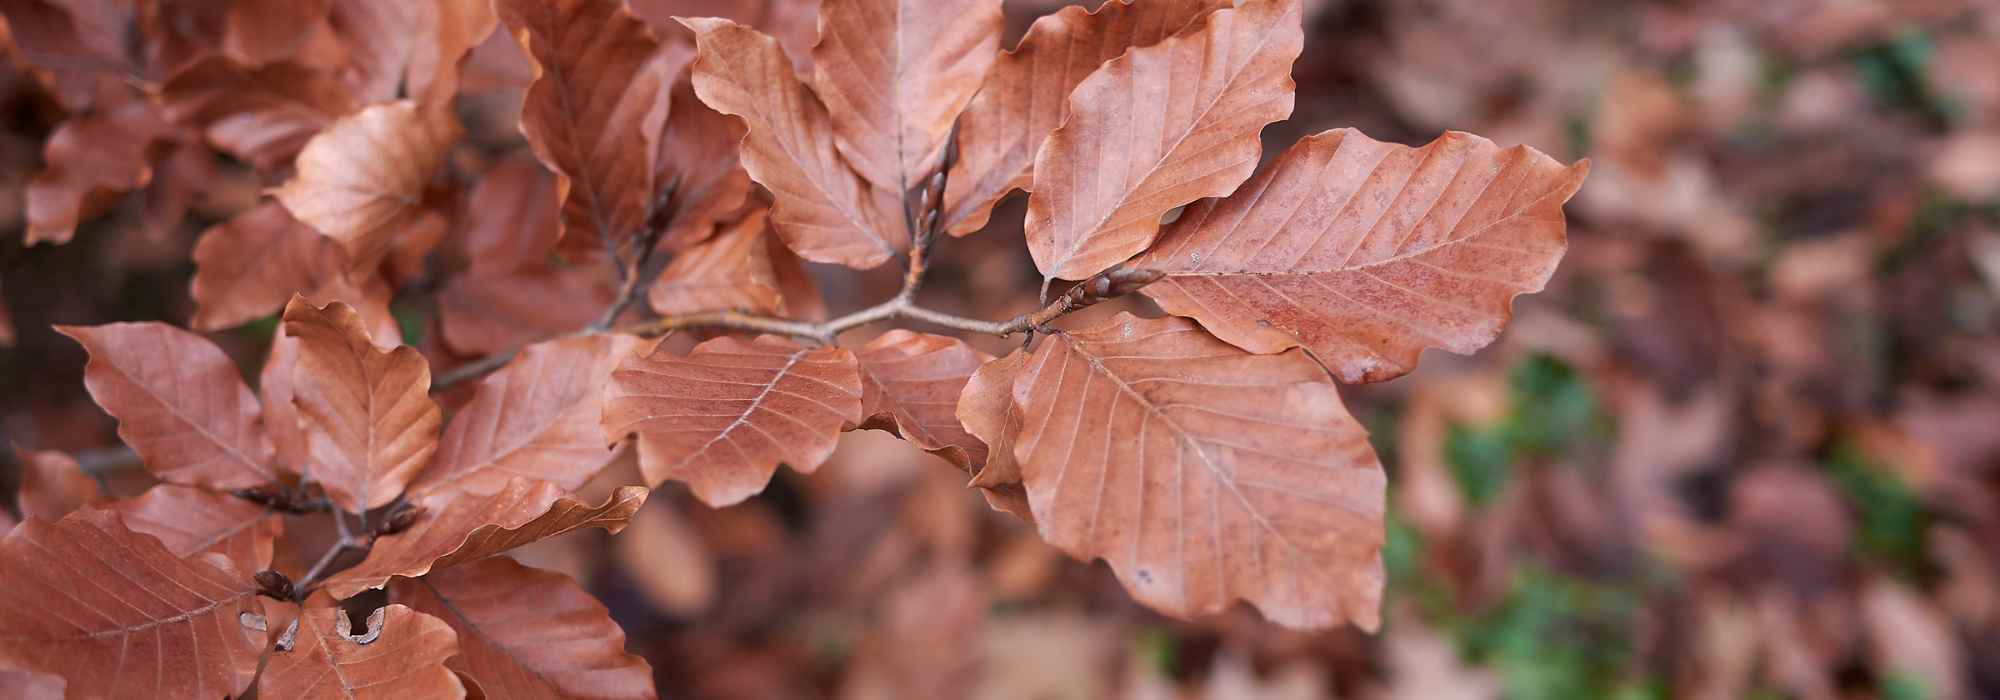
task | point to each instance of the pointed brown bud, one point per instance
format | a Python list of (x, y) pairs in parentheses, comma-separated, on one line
[(274, 585)]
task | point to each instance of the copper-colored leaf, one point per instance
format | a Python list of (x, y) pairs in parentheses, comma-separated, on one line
[(361, 182), (1157, 128), (90, 156), (895, 74), (52, 485), (249, 266), (459, 528), (457, 26), (1367, 252), (399, 654), (730, 271), (27, 685), (190, 521), (489, 313), (258, 31), (594, 111), (1202, 473), (1027, 94), (926, 643), (179, 401), (822, 208), (668, 561), (262, 115), (795, 23), (986, 410), (118, 616), (722, 418), (281, 416), (699, 158), (537, 417), (529, 633), (510, 218), (369, 420), (910, 383)]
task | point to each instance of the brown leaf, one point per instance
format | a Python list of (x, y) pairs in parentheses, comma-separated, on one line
[(281, 416), (927, 643), (722, 418), (730, 271), (668, 561), (795, 23), (458, 25), (458, 528), (802, 297), (179, 401), (370, 423), (529, 633), (488, 313), (510, 218), (6, 324), (191, 521), (1366, 252), (1157, 128), (26, 685), (822, 208), (910, 383), (89, 157), (400, 654), (1202, 473), (537, 418), (377, 39), (361, 182), (895, 74), (261, 115), (257, 32), (595, 109), (249, 266), (986, 409), (699, 157), (1026, 94), (52, 485), (71, 44), (117, 615)]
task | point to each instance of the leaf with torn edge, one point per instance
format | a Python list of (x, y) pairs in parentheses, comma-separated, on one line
[(910, 383), (179, 401), (400, 654), (362, 180), (369, 420)]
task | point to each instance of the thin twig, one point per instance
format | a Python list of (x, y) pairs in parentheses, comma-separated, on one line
[(472, 370), (319, 568)]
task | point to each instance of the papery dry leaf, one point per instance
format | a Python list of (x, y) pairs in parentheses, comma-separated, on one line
[(257, 32), (1202, 473), (378, 38), (910, 383), (362, 180), (179, 401), (52, 485), (595, 109), (894, 75), (249, 266), (458, 25), (537, 418), (668, 561), (1366, 252), (399, 654), (722, 418), (117, 615), (795, 23), (803, 300), (510, 218), (261, 115), (458, 528), (70, 44), (730, 271), (90, 156), (1157, 128), (822, 208), (529, 633), (27, 685), (370, 423), (1027, 94), (488, 313), (986, 409), (699, 159), (191, 521), (928, 641), (281, 416)]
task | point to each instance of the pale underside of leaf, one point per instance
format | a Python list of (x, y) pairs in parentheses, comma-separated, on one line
[(910, 386), (369, 420), (537, 418), (986, 410), (1367, 252), (1203, 474), (362, 180), (191, 521), (732, 271), (179, 403), (1157, 128), (724, 417), (399, 654)]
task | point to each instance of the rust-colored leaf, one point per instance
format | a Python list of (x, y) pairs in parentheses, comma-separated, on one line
[(261, 115), (1157, 128), (458, 528), (456, 26), (699, 159), (179, 401), (89, 157), (910, 383), (257, 32), (370, 423), (116, 615), (1367, 252), (986, 410), (1202, 473), (1027, 94), (510, 218), (537, 417), (733, 270), (594, 111), (924, 643), (528, 633), (191, 521), (249, 266), (52, 485), (400, 653), (489, 313), (822, 208), (27, 685), (361, 182), (895, 74), (722, 418)]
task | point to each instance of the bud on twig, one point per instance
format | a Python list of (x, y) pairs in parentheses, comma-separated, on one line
[(1103, 286), (400, 518), (274, 585)]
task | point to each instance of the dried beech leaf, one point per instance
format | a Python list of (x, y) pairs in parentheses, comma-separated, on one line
[(281, 416), (117, 615), (722, 418), (510, 218), (730, 271), (537, 418), (459, 528), (191, 521), (249, 266), (370, 423), (910, 383), (795, 23), (1367, 252), (528, 633), (487, 313), (926, 642), (668, 561), (377, 39), (822, 208), (1202, 473), (986, 410), (458, 25), (179, 401), (361, 182), (27, 685), (90, 156), (699, 158), (895, 74), (400, 654), (261, 115), (1027, 94), (594, 111), (256, 32), (70, 44), (1157, 128), (52, 485)]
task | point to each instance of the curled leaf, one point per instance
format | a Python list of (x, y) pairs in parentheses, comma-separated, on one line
[(910, 384), (986, 409)]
